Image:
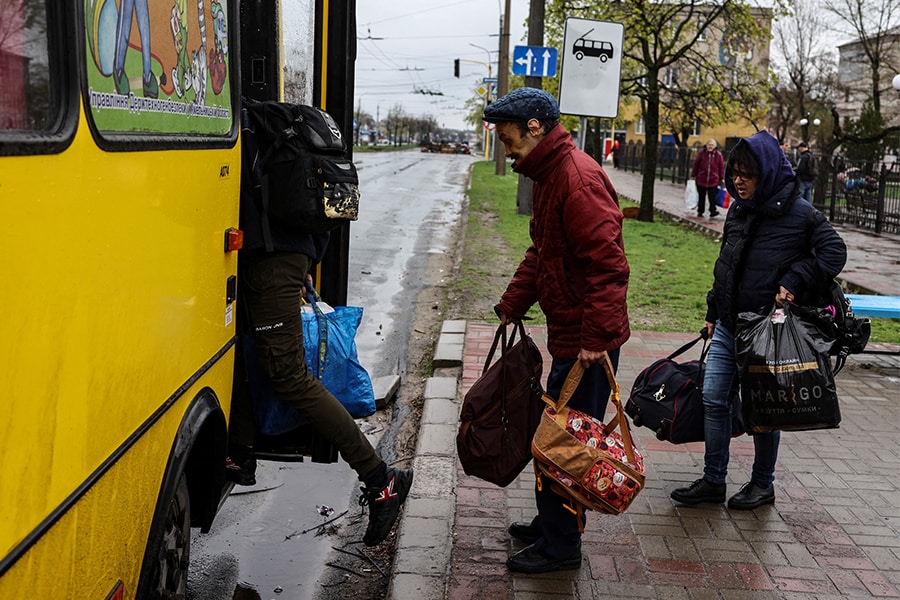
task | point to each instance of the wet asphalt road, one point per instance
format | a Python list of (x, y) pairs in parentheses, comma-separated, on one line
[(258, 547)]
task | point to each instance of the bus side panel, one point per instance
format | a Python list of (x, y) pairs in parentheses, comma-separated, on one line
[(102, 538), (115, 277)]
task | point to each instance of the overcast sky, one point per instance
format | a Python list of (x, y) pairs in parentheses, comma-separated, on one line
[(406, 47)]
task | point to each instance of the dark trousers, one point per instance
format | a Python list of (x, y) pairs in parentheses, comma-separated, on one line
[(560, 531), (702, 194), (271, 288)]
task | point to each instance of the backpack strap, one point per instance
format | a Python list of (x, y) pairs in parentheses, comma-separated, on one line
[(812, 218), (265, 188)]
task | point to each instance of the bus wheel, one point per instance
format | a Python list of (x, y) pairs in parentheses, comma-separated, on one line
[(168, 577), (603, 58), (579, 55)]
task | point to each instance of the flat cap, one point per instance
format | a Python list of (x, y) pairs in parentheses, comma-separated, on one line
[(522, 104)]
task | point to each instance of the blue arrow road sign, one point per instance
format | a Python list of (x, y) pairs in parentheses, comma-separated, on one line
[(534, 61)]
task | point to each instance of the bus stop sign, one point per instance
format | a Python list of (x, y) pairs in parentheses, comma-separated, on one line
[(591, 68)]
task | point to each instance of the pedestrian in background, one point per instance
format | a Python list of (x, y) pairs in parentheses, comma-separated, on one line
[(773, 249), (805, 171), (709, 173), (576, 270)]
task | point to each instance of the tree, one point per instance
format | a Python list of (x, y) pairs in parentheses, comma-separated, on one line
[(393, 122), (805, 70), (672, 35), (871, 22), (870, 123)]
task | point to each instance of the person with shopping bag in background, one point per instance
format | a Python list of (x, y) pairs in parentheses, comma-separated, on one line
[(577, 271), (773, 250), (708, 172)]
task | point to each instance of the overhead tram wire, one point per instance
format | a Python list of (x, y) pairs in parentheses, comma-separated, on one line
[(412, 14)]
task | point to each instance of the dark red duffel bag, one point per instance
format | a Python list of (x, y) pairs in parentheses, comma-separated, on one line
[(501, 410)]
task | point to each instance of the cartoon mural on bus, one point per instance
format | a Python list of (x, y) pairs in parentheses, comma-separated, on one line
[(152, 66), (134, 9), (181, 79), (218, 70)]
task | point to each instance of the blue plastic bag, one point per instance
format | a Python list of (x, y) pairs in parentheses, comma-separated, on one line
[(329, 342), (329, 346)]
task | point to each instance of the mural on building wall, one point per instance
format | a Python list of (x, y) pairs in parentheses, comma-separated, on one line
[(734, 49)]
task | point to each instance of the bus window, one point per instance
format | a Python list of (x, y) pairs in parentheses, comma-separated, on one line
[(24, 66), (298, 51)]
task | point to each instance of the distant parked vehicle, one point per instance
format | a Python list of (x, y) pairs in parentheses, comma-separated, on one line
[(447, 148)]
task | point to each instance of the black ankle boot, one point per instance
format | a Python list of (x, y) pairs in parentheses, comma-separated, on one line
[(700, 492), (752, 496)]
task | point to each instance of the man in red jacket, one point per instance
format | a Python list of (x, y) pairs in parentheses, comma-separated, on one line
[(709, 173), (576, 270)]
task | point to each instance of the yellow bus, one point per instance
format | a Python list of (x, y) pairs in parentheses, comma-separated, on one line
[(119, 190)]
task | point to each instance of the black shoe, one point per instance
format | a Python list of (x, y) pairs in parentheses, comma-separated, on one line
[(713, 215), (384, 504), (242, 471), (524, 532), (752, 496), (699, 492), (530, 560)]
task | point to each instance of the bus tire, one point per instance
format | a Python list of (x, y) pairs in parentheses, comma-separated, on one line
[(603, 58), (167, 579), (579, 55)]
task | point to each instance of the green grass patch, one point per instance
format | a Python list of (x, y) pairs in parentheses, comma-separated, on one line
[(671, 266), (671, 272)]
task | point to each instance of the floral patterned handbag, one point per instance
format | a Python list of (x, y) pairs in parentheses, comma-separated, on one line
[(583, 459)]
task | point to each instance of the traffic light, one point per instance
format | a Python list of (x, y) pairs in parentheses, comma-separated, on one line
[(456, 68)]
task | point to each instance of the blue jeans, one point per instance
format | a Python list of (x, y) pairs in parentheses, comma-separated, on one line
[(719, 383), (560, 533), (806, 190)]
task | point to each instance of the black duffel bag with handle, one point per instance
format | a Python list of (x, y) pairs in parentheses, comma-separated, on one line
[(667, 397)]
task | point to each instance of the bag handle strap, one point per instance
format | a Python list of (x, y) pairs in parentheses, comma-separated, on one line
[(703, 336), (314, 298), (506, 345), (618, 420)]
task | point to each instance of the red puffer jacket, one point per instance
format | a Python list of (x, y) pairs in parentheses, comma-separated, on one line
[(708, 168), (576, 267)]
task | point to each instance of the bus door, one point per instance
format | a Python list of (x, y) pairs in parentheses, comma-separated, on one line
[(292, 53)]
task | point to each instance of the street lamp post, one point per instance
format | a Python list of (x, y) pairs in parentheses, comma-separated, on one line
[(486, 135), (895, 83)]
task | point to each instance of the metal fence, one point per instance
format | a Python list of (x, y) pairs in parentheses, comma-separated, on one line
[(861, 193), (858, 193)]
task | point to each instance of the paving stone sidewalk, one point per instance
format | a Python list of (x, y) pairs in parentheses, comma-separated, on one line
[(834, 531)]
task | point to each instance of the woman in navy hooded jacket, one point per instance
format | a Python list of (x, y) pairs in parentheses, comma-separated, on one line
[(773, 249)]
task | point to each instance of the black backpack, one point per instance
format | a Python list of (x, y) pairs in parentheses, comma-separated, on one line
[(297, 172), (833, 313)]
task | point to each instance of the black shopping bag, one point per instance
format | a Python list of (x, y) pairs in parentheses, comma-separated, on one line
[(786, 375)]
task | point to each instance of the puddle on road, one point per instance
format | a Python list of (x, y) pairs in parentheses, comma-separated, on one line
[(265, 537)]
